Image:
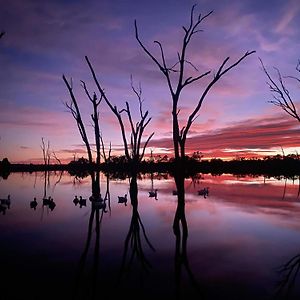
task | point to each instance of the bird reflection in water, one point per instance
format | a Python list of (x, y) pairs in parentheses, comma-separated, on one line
[(47, 201)]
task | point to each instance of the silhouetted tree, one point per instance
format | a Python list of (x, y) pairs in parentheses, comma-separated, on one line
[(106, 156), (95, 118), (4, 164), (137, 129), (280, 92), (46, 152), (74, 109), (181, 81), (55, 157)]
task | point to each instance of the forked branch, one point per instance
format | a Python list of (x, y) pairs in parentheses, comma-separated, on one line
[(281, 94)]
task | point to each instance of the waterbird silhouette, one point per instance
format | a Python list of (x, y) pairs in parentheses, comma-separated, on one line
[(46, 201), (76, 200), (123, 199), (153, 194), (2, 209), (82, 201), (204, 192), (5, 201), (33, 203), (51, 203)]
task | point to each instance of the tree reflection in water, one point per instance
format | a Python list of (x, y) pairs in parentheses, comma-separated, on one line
[(98, 208), (134, 250), (180, 229), (134, 240), (288, 272), (47, 201)]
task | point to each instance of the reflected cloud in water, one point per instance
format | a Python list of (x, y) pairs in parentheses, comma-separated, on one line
[(228, 243)]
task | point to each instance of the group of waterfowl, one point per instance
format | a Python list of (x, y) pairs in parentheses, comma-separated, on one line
[(49, 202), (97, 203), (123, 199), (81, 201), (203, 192)]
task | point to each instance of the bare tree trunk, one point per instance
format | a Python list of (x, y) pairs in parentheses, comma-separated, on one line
[(74, 109), (46, 152), (95, 118), (182, 81), (56, 158), (175, 131), (105, 156), (137, 129)]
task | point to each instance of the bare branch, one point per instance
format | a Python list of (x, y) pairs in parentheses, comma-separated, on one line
[(190, 80), (73, 107), (86, 90), (46, 152), (221, 71), (281, 94), (163, 67), (145, 145), (138, 93), (293, 77), (113, 108), (56, 158)]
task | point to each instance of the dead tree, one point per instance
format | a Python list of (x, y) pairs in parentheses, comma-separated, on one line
[(106, 156), (46, 152), (56, 158), (181, 81), (74, 109), (135, 153), (280, 92), (95, 118)]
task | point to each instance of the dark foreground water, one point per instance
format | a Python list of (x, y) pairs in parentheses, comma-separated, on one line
[(234, 244)]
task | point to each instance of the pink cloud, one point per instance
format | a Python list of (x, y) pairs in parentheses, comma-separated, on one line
[(290, 12), (243, 137)]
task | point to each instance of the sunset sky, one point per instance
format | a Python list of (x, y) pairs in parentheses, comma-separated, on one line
[(45, 40)]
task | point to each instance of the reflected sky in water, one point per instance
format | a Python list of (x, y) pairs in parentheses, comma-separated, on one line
[(238, 238)]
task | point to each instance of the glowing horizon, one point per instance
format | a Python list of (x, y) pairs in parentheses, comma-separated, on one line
[(45, 40)]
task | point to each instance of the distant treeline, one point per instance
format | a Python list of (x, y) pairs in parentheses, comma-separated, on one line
[(271, 165)]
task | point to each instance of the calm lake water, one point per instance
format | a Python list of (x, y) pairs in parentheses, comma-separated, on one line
[(233, 246)]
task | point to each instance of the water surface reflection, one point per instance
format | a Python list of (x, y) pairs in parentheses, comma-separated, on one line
[(229, 244)]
